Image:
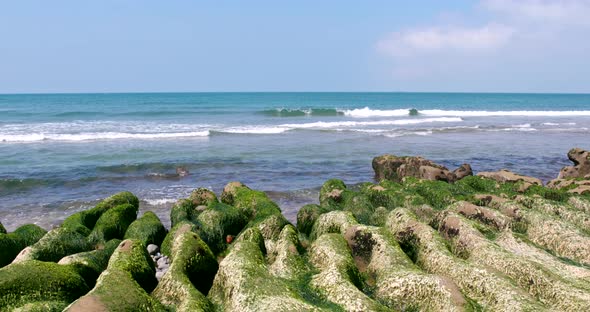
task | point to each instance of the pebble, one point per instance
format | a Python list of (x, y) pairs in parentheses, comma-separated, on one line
[(152, 249), (163, 261), (159, 275)]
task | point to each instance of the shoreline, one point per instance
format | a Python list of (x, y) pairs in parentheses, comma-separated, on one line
[(422, 229)]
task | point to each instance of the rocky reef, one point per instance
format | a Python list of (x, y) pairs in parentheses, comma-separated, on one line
[(420, 238)]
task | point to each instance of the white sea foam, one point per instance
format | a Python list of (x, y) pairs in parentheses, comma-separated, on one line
[(255, 130), (35, 137), (439, 112), (159, 201), (367, 112), (558, 124), (396, 122)]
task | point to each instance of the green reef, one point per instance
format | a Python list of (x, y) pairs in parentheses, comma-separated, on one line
[(418, 238)]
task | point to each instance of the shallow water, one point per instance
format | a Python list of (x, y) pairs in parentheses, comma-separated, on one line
[(61, 153)]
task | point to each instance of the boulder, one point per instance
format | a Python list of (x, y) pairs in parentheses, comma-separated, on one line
[(12, 243), (395, 168), (148, 229), (581, 167), (504, 176)]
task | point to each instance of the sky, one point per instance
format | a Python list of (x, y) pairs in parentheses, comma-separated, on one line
[(226, 46)]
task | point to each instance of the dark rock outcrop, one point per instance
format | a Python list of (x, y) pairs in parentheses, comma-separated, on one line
[(394, 168), (581, 167)]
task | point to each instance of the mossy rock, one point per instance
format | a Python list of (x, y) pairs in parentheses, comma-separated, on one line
[(84, 221), (202, 196), (116, 291), (254, 204), (55, 245), (330, 193), (182, 210), (113, 223), (218, 221), (90, 264), (37, 281), (227, 196), (12, 243), (42, 306), (186, 283), (184, 226), (306, 217), (148, 229), (243, 283), (332, 222), (131, 256), (2, 229)]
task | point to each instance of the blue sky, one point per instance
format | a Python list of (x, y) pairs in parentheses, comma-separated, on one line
[(127, 45)]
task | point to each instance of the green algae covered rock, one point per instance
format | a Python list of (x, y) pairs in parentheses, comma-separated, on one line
[(25, 283), (84, 221), (190, 275), (335, 196), (125, 284), (202, 196), (55, 245), (243, 283), (307, 216), (12, 243), (132, 257), (2, 229), (179, 228), (339, 279), (183, 210), (217, 221), (148, 229), (113, 223), (90, 264)]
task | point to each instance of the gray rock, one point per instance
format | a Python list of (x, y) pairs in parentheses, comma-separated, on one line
[(163, 261), (159, 275), (152, 249)]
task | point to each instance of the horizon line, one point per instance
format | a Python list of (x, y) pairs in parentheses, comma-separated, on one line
[(277, 92)]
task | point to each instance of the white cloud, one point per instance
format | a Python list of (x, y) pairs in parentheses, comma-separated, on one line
[(438, 39), (570, 12)]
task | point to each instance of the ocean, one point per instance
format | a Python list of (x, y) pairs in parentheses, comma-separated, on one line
[(60, 153)]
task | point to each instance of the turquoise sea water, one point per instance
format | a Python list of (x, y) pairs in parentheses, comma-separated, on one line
[(59, 153)]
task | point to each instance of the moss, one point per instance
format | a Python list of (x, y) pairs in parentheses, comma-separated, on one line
[(306, 217), (184, 226), (491, 290), (254, 204), (190, 276), (332, 222), (330, 193), (202, 196), (287, 261), (182, 210), (55, 245), (84, 221), (243, 283), (548, 193), (90, 264), (116, 291), (12, 243), (35, 281), (339, 279), (218, 221), (113, 223), (125, 284), (42, 306), (131, 256), (148, 229), (2, 229)]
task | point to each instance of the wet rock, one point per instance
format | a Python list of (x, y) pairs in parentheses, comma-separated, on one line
[(463, 171), (581, 167), (395, 168), (182, 171), (152, 249), (504, 176)]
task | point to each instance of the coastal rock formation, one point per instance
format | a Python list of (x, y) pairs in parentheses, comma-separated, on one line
[(581, 167), (505, 175), (395, 168), (575, 179), (482, 243)]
